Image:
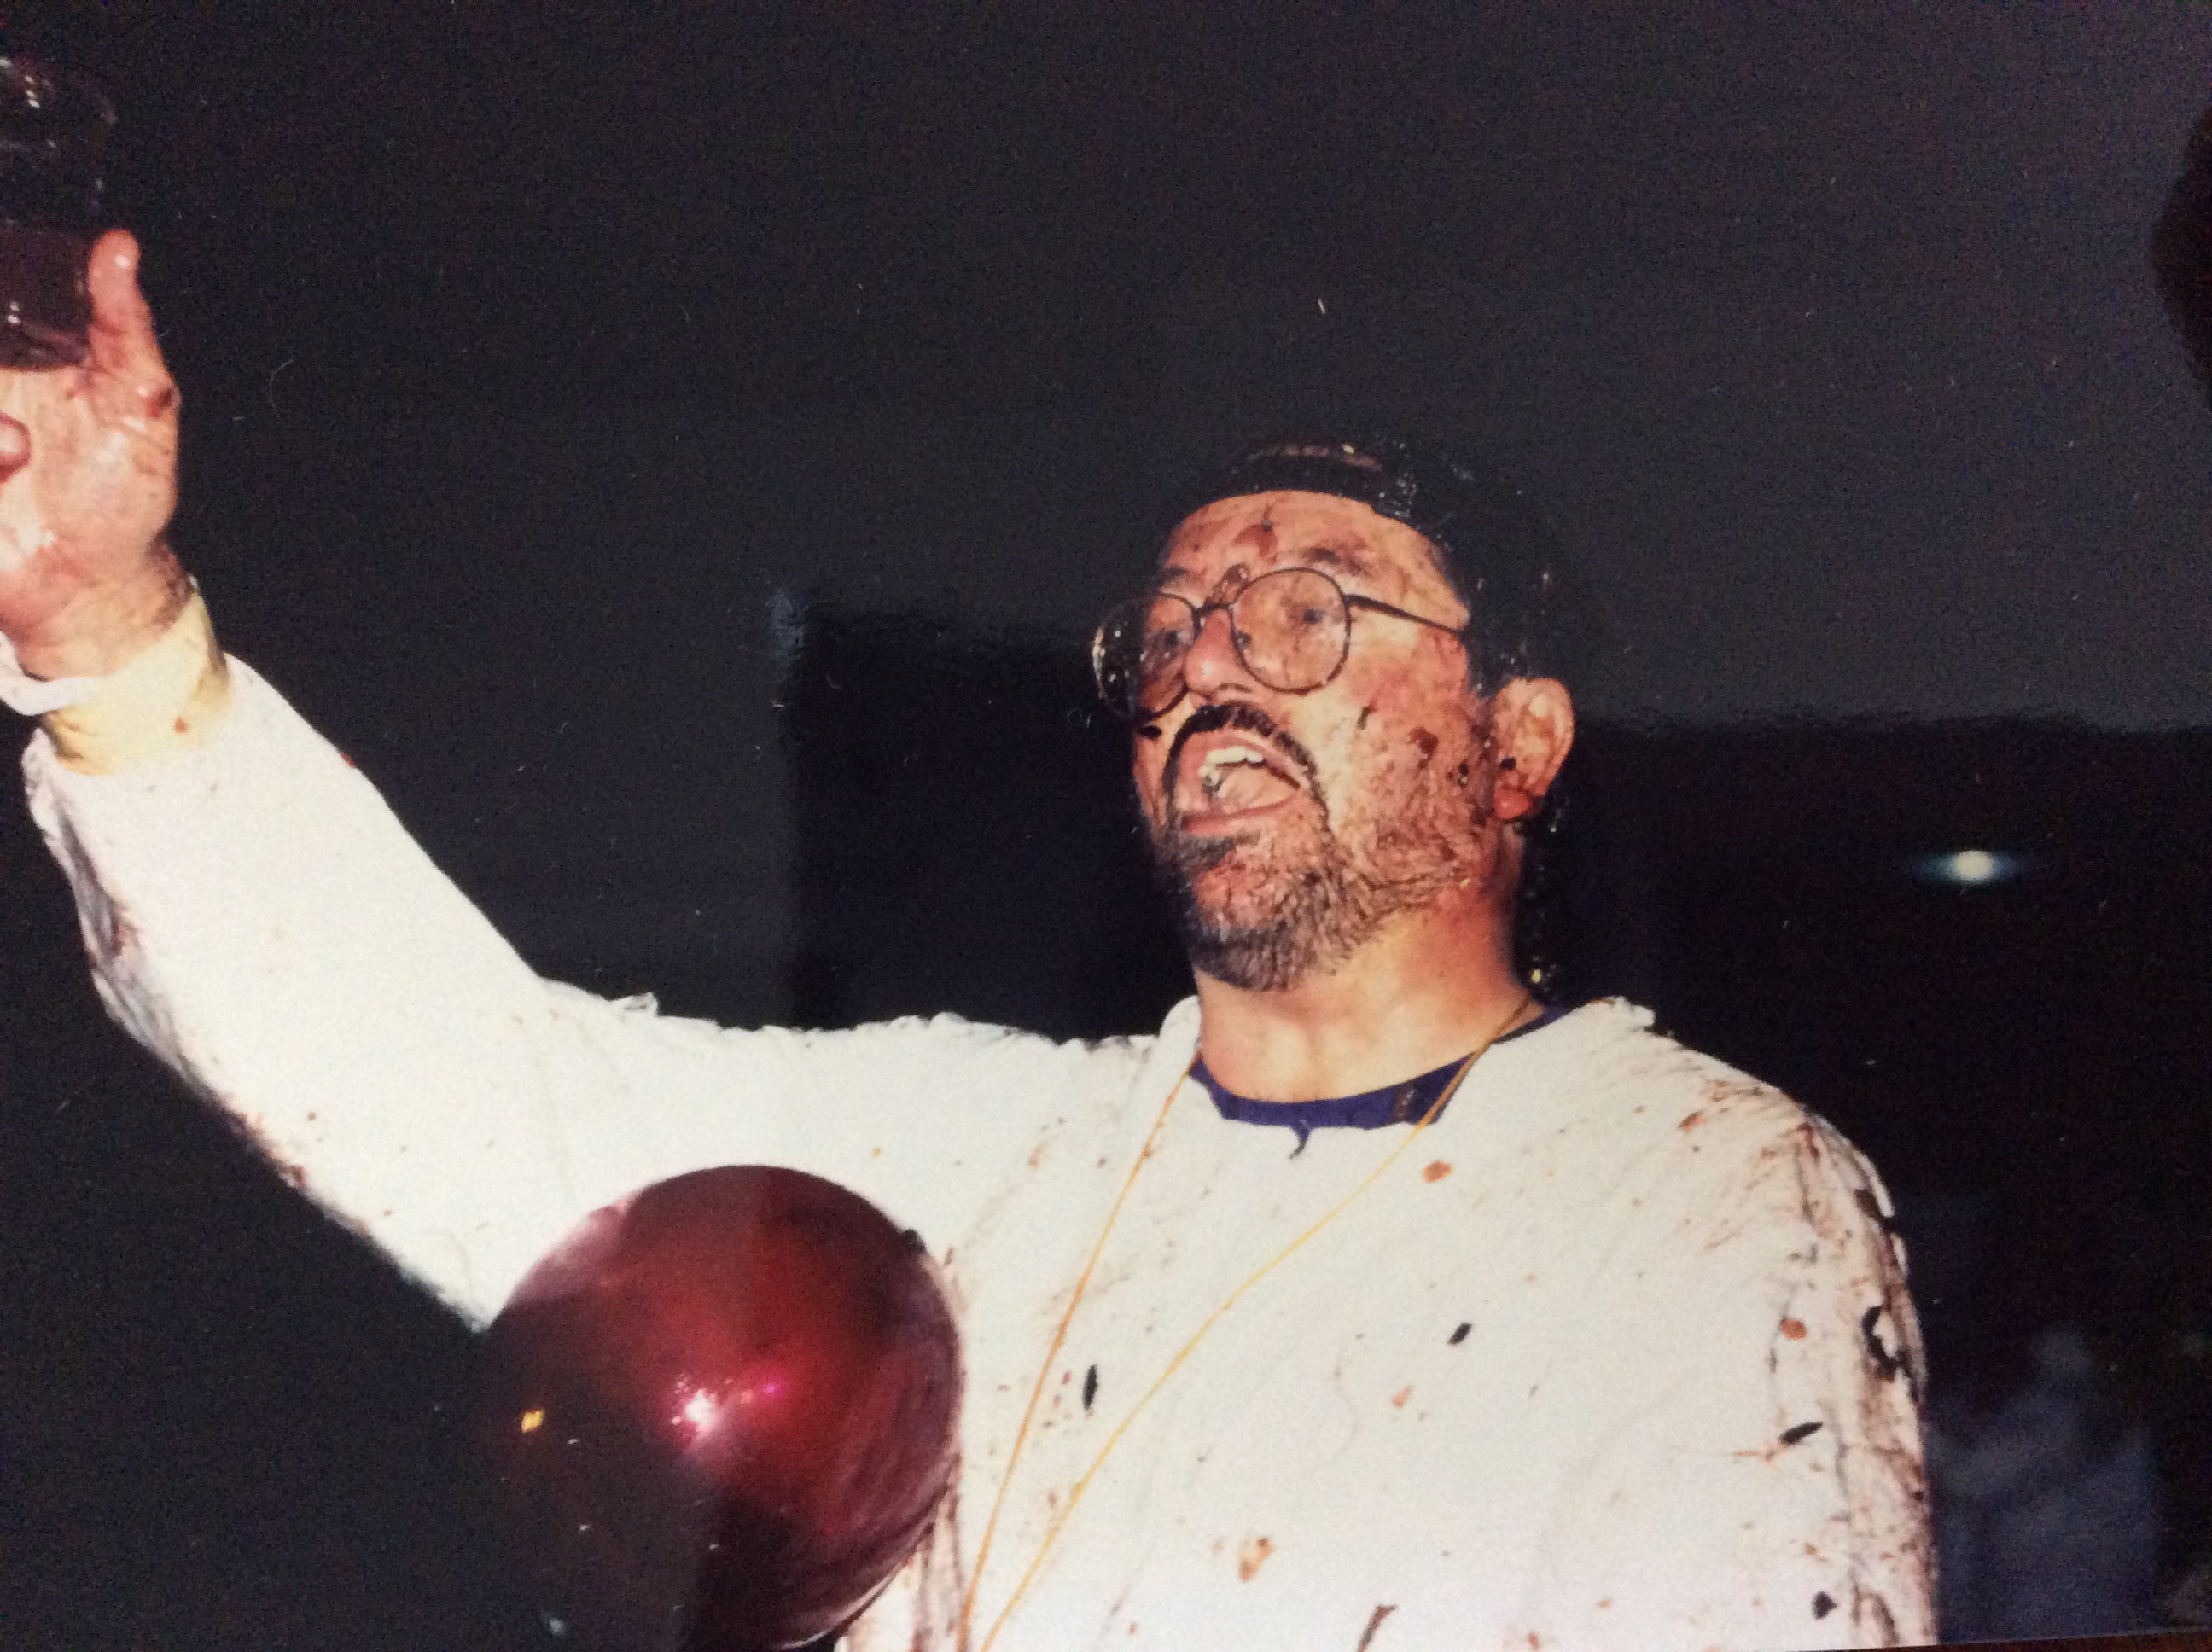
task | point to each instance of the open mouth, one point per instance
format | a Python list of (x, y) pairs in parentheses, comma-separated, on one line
[(1224, 775)]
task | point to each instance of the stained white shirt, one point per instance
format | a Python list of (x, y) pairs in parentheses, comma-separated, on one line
[(1616, 1353)]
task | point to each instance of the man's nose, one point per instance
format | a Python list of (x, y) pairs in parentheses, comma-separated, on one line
[(1214, 662)]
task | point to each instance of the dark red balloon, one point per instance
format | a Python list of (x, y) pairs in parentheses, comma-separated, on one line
[(723, 1411)]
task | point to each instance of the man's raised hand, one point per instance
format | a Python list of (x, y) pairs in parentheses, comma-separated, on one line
[(88, 481)]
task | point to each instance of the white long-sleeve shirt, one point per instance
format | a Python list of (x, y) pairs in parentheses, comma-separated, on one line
[(1618, 1354)]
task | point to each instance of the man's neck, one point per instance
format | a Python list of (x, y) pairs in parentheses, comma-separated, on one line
[(1427, 990)]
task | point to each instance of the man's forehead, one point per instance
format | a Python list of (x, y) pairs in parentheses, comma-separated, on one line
[(1309, 530)]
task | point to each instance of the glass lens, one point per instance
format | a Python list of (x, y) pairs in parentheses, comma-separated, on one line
[(52, 128), (1293, 628), (1138, 653)]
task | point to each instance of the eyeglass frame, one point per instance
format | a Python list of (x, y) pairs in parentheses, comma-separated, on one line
[(1200, 612)]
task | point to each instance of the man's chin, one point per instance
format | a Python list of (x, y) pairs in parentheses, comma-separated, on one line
[(1259, 957), (1228, 901), (1249, 926), (1229, 884), (1250, 910), (1263, 841)]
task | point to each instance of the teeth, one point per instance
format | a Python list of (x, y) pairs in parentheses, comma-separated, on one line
[(1221, 759), (1212, 771)]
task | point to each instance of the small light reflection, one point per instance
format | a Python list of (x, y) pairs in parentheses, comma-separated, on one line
[(1970, 868), (698, 1412)]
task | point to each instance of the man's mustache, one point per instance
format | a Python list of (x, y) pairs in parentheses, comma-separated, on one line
[(1244, 719)]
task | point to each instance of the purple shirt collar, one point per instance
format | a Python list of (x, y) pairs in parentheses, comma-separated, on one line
[(1407, 1103)]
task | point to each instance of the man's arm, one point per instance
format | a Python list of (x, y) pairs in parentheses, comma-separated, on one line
[(1758, 1483), (252, 916), (256, 916), (1846, 1376)]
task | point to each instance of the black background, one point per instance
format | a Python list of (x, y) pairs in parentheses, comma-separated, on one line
[(678, 457)]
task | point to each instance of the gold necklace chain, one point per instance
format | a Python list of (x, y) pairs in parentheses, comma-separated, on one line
[(1083, 1281)]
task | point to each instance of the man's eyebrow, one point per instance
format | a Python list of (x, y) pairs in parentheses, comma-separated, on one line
[(1343, 556), (1336, 557)]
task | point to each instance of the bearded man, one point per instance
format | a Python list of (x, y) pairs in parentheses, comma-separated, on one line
[(1369, 1304)]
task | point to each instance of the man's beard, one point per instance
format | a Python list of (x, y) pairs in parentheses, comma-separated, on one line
[(1309, 905)]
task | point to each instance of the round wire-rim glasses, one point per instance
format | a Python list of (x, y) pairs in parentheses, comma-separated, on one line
[(1293, 629)]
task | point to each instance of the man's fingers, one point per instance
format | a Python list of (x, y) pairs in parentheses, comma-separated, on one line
[(120, 318), (129, 378)]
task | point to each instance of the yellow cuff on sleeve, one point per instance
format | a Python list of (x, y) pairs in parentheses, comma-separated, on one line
[(172, 696)]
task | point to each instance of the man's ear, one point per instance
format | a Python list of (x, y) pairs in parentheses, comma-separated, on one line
[(1532, 726)]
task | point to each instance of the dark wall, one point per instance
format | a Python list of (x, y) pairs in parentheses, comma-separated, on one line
[(966, 835)]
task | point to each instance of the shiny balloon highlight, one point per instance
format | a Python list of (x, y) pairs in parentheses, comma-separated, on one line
[(722, 1413)]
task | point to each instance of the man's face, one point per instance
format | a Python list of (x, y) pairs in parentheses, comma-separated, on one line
[(1290, 827)]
